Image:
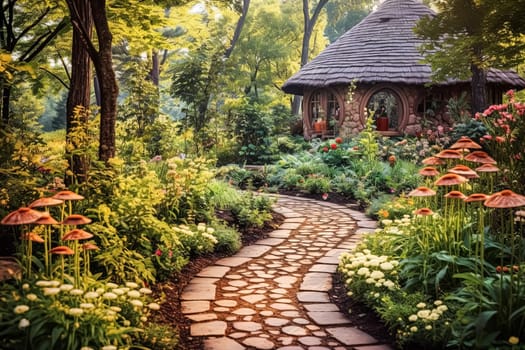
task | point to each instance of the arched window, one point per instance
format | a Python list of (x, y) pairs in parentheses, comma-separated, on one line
[(385, 103), (324, 113)]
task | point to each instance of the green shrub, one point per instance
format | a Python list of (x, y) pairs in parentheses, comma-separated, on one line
[(228, 239)]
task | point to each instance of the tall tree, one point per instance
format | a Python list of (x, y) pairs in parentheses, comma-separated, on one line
[(466, 37), (79, 92), (102, 60)]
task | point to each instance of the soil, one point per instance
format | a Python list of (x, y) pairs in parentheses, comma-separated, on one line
[(360, 315)]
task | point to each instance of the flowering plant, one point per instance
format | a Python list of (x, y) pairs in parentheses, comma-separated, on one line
[(48, 314), (505, 124)]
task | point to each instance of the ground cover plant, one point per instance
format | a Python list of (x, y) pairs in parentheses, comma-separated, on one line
[(446, 267)]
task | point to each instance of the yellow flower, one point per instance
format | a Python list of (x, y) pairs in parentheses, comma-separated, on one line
[(514, 340), (383, 213)]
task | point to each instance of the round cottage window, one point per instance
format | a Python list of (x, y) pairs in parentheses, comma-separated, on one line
[(384, 106)]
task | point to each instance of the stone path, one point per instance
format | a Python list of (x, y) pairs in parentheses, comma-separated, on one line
[(249, 300)]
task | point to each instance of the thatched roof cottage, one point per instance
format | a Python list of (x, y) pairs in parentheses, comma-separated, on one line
[(380, 56)]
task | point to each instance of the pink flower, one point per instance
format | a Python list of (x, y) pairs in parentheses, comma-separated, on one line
[(333, 146), (338, 140), (325, 196), (325, 149), (170, 253), (158, 252), (500, 139)]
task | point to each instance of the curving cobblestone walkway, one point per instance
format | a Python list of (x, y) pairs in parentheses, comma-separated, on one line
[(249, 300)]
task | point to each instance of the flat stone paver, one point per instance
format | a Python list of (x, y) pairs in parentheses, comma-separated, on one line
[(274, 294)]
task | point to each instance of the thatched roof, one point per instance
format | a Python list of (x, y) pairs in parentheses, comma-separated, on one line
[(381, 48)]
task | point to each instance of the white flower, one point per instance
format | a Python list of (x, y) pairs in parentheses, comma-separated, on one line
[(363, 271), (20, 309), (86, 348), (99, 291), (413, 329), (386, 266), (91, 295), (42, 283), (76, 292), (25, 286), (87, 306), (428, 327), (145, 291), (111, 285), (54, 283), (377, 275), (23, 323), (136, 302), (131, 285), (31, 297), (118, 291), (115, 309), (75, 311), (143, 318), (389, 284), (134, 294), (51, 291), (66, 287), (386, 222), (438, 302), (423, 313), (421, 305), (109, 295), (154, 306), (370, 281), (442, 308), (109, 347), (412, 318)]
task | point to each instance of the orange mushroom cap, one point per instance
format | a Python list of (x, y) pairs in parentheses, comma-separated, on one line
[(67, 195), (423, 212), (480, 157), (450, 179), (33, 237), (76, 234), (422, 192), (89, 246), (46, 219), (76, 219), (487, 168), (46, 202), (428, 171), (505, 199), (432, 161), (449, 154), (455, 195), (465, 171), (465, 142), (476, 197), (21, 216), (62, 250)]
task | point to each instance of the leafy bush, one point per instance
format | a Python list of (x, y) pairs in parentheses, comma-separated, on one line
[(48, 314)]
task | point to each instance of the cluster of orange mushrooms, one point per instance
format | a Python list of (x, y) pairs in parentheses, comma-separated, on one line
[(30, 218), (469, 151)]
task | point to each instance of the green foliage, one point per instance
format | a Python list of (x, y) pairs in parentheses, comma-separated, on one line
[(48, 314), (228, 239), (252, 210), (158, 336), (492, 310), (315, 184), (252, 126)]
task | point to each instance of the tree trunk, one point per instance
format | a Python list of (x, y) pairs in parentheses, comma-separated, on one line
[(479, 89), (308, 27), (103, 63), (79, 90), (6, 96)]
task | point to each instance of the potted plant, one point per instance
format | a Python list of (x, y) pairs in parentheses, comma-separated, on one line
[(382, 119)]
